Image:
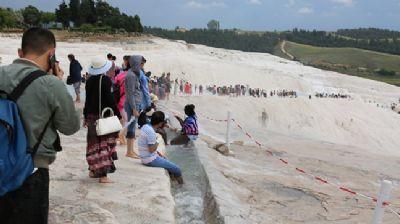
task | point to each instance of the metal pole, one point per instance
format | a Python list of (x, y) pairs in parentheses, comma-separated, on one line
[(384, 194), (228, 130)]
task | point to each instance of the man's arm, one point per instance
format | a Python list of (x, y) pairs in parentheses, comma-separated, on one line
[(153, 148), (66, 119)]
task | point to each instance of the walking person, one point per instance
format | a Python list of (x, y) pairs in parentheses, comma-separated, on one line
[(133, 102), (75, 76), (168, 85), (176, 87), (46, 108), (101, 150), (148, 145)]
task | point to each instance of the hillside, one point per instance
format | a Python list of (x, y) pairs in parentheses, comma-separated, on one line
[(352, 61)]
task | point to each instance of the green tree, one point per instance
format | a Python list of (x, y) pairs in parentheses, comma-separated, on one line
[(213, 25), (75, 15), (31, 15), (7, 18), (103, 11), (137, 25), (48, 17), (63, 14), (88, 12)]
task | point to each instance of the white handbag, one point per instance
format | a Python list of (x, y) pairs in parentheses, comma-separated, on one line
[(108, 125)]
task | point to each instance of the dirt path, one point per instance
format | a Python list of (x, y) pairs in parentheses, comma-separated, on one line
[(283, 49)]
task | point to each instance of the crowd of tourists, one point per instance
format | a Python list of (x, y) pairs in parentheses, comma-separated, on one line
[(35, 107), (332, 95)]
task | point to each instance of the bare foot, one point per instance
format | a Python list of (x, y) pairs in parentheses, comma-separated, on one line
[(132, 155), (105, 180), (179, 180)]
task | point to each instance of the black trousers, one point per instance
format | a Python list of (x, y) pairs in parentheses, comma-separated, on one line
[(29, 204)]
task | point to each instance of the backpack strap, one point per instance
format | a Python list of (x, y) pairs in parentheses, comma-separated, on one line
[(17, 93), (36, 147), (19, 90)]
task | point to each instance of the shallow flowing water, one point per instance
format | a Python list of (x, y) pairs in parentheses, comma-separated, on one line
[(189, 198)]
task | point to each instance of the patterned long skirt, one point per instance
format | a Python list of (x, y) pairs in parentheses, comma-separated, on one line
[(100, 151)]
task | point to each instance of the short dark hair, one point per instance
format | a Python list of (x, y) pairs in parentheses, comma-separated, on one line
[(127, 57), (71, 57), (37, 40), (109, 55), (114, 58), (157, 118), (189, 110)]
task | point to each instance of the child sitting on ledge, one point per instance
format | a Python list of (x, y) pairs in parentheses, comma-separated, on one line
[(190, 129)]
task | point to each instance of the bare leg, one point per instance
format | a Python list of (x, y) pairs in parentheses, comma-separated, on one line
[(78, 98), (130, 151)]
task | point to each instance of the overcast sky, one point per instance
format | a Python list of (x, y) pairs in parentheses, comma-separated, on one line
[(252, 14)]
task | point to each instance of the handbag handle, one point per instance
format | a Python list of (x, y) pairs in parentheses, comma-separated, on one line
[(100, 114), (105, 110)]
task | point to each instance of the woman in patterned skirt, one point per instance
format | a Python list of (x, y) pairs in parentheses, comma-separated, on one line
[(101, 150)]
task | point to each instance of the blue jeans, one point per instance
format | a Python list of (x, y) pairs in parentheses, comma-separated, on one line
[(130, 134), (169, 166)]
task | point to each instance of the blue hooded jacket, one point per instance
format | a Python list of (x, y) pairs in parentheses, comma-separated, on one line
[(144, 87)]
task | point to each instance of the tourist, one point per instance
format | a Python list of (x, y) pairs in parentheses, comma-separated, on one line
[(144, 87), (75, 70), (176, 87), (120, 83), (161, 86), (190, 129), (46, 108), (101, 150), (111, 72), (133, 101), (148, 144), (168, 85)]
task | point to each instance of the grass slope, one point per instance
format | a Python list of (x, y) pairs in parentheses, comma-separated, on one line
[(350, 61)]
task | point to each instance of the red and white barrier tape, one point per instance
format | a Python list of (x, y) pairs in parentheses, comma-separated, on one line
[(303, 171)]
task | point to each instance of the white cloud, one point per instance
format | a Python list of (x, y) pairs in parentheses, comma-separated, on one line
[(306, 10), (198, 4), (290, 3), (345, 2), (254, 2)]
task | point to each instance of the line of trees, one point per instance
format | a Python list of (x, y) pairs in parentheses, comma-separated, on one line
[(228, 39), (379, 40), (85, 13), (369, 33), (374, 39), (26, 17), (97, 13)]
